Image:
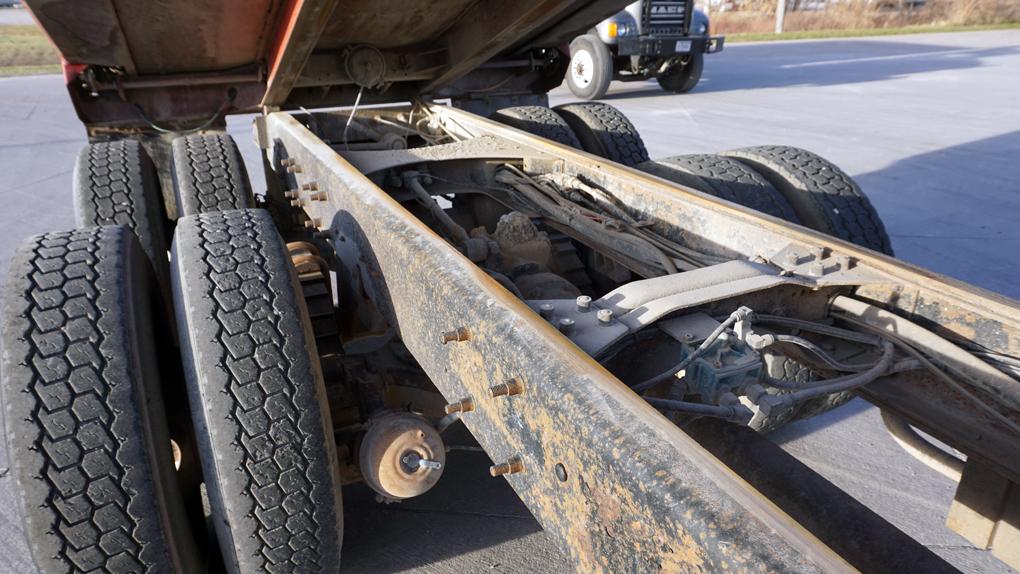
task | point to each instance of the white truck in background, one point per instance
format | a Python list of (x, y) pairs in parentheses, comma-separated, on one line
[(665, 40)]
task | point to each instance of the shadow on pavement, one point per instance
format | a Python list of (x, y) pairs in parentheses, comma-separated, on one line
[(466, 511), (950, 208), (825, 63)]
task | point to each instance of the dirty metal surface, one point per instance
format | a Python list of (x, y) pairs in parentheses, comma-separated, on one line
[(951, 308), (614, 481)]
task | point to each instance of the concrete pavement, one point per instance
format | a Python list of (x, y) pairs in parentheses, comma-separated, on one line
[(929, 125)]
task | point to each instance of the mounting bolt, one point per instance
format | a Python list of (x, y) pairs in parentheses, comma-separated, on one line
[(583, 303), (312, 223), (461, 334), (605, 316), (546, 310), (846, 262), (565, 325), (507, 388), (293, 168), (464, 405), (512, 466), (310, 186)]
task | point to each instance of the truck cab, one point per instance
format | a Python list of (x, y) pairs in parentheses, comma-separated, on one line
[(666, 40)]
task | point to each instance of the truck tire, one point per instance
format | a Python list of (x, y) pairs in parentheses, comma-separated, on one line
[(209, 175), (822, 195), (86, 429), (825, 199), (604, 131), (724, 178), (681, 79), (540, 121), (115, 183), (259, 404), (591, 67)]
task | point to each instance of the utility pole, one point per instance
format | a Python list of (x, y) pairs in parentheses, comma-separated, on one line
[(780, 15)]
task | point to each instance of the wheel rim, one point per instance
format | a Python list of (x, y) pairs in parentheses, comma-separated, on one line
[(582, 68)]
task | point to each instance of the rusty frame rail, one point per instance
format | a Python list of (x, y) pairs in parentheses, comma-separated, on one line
[(619, 485)]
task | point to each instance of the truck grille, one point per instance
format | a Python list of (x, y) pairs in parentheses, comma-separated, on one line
[(665, 18)]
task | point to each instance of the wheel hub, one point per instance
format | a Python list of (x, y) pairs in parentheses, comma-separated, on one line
[(582, 68)]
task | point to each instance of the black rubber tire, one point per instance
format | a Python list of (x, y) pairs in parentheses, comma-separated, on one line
[(604, 131), (209, 175), (822, 195), (825, 199), (602, 72), (86, 430), (262, 425), (724, 178), (540, 121), (682, 79), (115, 183)]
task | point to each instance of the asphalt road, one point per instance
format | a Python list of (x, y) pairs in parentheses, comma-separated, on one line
[(928, 125)]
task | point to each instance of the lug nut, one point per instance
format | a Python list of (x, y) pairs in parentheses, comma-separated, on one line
[(846, 263), (310, 186), (507, 388), (818, 268), (461, 334), (792, 258), (512, 466), (291, 193), (318, 196), (583, 303), (296, 203), (566, 325), (465, 405), (605, 316), (293, 168), (312, 223), (287, 161), (818, 253)]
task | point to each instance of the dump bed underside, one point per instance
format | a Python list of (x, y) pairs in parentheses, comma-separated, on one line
[(291, 53)]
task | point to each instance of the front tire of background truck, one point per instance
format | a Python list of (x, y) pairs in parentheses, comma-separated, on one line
[(825, 199), (85, 421), (257, 394), (682, 78), (591, 68), (604, 131)]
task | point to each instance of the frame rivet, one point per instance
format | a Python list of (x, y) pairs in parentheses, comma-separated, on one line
[(507, 388), (465, 405), (460, 334), (512, 466)]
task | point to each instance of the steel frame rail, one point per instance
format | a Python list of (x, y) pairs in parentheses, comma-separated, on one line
[(619, 485)]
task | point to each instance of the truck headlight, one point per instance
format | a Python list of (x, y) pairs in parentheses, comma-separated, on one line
[(619, 29)]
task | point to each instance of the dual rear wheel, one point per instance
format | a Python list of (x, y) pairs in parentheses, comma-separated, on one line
[(96, 384)]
